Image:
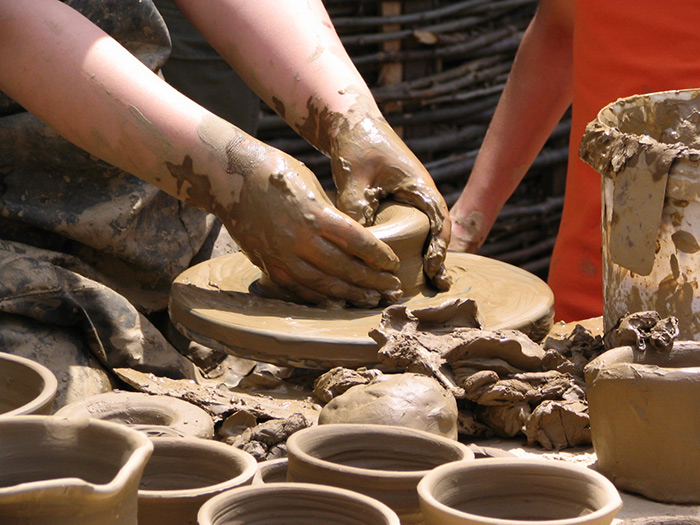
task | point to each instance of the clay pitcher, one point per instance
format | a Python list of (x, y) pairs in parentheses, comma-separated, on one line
[(57, 471), (647, 149)]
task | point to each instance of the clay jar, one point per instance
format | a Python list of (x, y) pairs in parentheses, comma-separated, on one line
[(58, 471), (510, 491), (294, 504), (183, 473), (271, 471), (645, 420), (26, 387), (381, 461), (405, 400), (157, 416)]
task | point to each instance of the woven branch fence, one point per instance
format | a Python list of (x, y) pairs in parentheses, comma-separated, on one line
[(437, 69)]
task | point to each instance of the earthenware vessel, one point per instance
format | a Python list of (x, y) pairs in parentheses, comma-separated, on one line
[(58, 471), (26, 387), (295, 504), (157, 416), (381, 461), (271, 471), (183, 473), (511, 491), (645, 420)]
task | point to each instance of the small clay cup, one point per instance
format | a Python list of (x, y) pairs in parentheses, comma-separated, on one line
[(271, 471), (157, 416), (511, 491), (57, 471), (645, 420), (26, 387), (183, 473), (381, 461), (294, 504)]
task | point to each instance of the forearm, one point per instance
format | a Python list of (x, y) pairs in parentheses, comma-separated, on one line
[(537, 93), (74, 77), (290, 54)]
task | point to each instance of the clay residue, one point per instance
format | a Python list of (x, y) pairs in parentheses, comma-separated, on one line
[(279, 107), (472, 234), (643, 331)]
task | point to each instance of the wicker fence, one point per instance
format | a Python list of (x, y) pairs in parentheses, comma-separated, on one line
[(437, 69)]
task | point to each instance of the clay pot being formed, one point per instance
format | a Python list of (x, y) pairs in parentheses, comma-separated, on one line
[(26, 387), (381, 461), (57, 471), (510, 491), (157, 416), (183, 473), (645, 420), (271, 471), (294, 504)]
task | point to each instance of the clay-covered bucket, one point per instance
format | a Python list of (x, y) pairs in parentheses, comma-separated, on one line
[(645, 420), (183, 473), (647, 149), (294, 504), (157, 416), (69, 471), (381, 461), (26, 387), (512, 491)]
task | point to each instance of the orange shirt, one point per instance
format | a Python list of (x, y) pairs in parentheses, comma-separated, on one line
[(621, 48)]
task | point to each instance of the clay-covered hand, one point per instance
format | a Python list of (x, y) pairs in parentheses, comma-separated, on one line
[(469, 231), (286, 225), (371, 162)]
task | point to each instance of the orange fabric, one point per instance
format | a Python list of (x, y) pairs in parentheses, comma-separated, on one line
[(621, 48)]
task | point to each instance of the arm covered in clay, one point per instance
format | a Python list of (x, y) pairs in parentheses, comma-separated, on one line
[(290, 54), (73, 76), (536, 95)]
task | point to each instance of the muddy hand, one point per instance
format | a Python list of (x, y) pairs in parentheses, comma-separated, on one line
[(371, 162), (287, 226)]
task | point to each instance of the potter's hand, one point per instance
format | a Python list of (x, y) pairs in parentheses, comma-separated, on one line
[(370, 162), (287, 226), (469, 230)]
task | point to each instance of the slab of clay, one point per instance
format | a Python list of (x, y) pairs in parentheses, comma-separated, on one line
[(212, 303)]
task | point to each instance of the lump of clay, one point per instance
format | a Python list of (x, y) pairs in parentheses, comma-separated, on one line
[(644, 330), (408, 400), (338, 380)]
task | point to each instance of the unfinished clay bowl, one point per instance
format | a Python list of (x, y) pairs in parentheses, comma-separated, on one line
[(511, 491), (57, 471), (271, 471), (294, 504), (157, 416), (381, 461), (183, 473), (645, 420), (26, 387)]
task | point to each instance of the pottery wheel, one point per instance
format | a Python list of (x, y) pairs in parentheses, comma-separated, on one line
[(212, 303)]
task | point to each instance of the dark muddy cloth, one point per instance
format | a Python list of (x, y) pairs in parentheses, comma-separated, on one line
[(87, 246)]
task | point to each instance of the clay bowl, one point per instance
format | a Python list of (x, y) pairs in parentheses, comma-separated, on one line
[(645, 420), (69, 471), (381, 461), (157, 416), (511, 491), (294, 504), (271, 471), (183, 473), (26, 387)]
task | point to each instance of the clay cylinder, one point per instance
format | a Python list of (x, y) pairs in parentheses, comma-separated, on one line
[(26, 387), (157, 416), (510, 491), (381, 461), (57, 471), (183, 473), (646, 149), (295, 504), (645, 420)]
